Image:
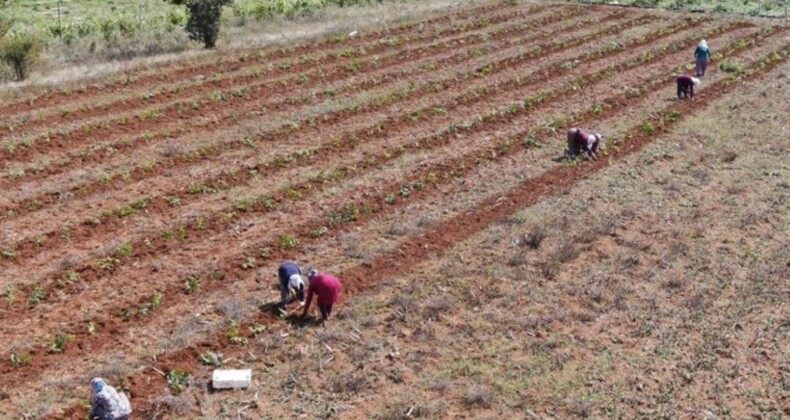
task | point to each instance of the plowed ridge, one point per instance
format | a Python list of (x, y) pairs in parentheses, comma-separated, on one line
[(85, 259)]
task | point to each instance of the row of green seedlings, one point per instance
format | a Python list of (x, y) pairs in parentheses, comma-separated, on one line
[(349, 214), (662, 120), (220, 183), (35, 204), (218, 96), (109, 262), (148, 136), (261, 55), (219, 79)]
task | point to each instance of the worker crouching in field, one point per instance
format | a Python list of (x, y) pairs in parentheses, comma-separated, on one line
[(327, 288), (582, 143), (290, 276), (686, 85), (107, 403)]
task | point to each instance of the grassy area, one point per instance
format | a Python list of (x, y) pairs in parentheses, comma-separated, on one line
[(746, 7), (90, 31), (71, 19)]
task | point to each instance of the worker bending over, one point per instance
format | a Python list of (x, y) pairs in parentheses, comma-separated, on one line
[(582, 143), (327, 288), (290, 276)]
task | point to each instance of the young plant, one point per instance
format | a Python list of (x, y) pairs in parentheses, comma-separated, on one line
[(288, 242), (60, 342), (20, 359), (211, 359), (192, 284), (233, 334), (37, 295), (177, 380), (155, 302), (125, 250)]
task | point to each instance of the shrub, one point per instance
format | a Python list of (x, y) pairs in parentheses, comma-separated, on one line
[(730, 67), (203, 22), (20, 52)]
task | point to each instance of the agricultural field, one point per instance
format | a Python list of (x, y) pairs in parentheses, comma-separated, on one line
[(143, 216)]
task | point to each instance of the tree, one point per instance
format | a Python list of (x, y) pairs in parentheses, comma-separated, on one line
[(20, 52), (203, 23)]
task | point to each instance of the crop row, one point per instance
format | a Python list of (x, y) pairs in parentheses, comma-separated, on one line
[(308, 68), (350, 140), (98, 153), (218, 104), (379, 203), (240, 206), (491, 209), (224, 62), (438, 240), (211, 151), (259, 95)]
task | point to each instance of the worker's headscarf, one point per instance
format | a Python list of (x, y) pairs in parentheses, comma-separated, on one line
[(703, 45), (695, 81), (97, 384), (312, 274), (598, 137)]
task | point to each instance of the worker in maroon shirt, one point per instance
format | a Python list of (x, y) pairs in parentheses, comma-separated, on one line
[(582, 143), (327, 287), (686, 85)]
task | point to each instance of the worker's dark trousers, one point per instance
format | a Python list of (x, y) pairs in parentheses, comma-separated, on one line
[(326, 310)]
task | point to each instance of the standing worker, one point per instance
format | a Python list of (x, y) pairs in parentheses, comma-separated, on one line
[(580, 142), (327, 287), (702, 54), (290, 276), (686, 85), (107, 403)]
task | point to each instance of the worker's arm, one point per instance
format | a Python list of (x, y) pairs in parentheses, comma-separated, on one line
[(309, 299)]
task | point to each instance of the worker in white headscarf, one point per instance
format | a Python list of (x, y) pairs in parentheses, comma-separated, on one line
[(702, 54), (290, 276), (107, 403)]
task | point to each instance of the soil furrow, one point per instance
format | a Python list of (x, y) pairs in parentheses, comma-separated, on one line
[(470, 157), (267, 168), (275, 79), (163, 74), (432, 87), (443, 236), (94, 157), (152, 98), (217, 108)]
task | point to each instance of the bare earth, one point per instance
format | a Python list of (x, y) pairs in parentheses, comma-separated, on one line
[(143, 224)]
